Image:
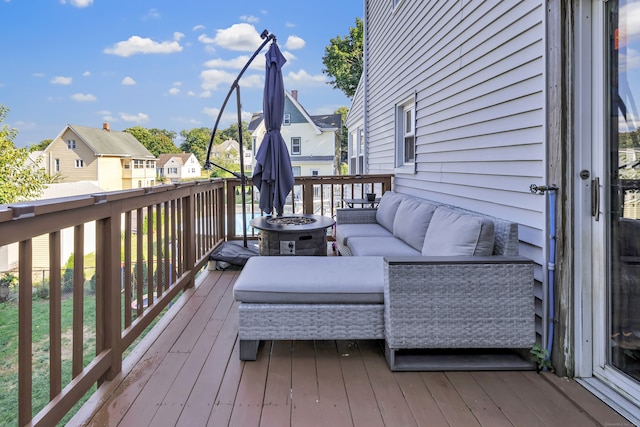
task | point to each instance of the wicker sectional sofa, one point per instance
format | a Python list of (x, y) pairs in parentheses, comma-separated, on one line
[(459, 291)]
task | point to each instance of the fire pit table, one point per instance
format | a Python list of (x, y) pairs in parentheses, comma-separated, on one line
[(293, 234)]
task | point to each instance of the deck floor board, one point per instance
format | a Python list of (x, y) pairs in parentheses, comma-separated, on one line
[(188, 373)]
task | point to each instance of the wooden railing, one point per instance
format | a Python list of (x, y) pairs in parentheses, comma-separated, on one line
[(320, 195), (150, 244)]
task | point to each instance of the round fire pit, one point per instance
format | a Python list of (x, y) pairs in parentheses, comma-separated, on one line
[(294, 234)]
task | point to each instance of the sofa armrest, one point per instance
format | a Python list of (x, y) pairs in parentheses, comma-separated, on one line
[(459, 302), (356, 216)]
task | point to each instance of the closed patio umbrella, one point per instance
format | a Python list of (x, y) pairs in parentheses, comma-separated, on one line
[(272, 174)]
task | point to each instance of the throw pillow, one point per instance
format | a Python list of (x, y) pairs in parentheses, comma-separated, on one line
[(452, 233)]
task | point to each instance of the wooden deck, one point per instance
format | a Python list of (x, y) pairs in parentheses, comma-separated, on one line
[(187, 372)]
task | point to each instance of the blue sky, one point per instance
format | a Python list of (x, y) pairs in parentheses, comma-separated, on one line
[(157, 64)]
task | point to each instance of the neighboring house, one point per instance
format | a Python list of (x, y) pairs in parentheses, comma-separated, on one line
[(470, 103), (178, 167), (311, 140), (113, 160)]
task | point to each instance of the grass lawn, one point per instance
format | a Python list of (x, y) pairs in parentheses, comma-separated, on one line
[(40, 378)]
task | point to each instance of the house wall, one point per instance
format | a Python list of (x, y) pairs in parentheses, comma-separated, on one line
[(477, 69), (477, 72), (110, 176), (68, 171)]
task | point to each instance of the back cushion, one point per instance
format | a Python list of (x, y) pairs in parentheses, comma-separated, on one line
[(387, 209), (411, 222), (452, 233)]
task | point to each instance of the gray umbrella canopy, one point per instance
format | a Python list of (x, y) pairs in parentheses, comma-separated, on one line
[(272, 174)]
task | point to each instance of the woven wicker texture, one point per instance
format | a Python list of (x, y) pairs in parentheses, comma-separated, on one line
[(434, 305), (311, 321)]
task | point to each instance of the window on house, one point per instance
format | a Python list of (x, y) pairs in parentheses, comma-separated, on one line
[(159, 171), (287, 119), (57, 165), (172, 170), (315, 172), (150, 164), (139, 184), (296, 145), (71, 144), (79, 163), (297, 171), (405, 133), (138, 164)]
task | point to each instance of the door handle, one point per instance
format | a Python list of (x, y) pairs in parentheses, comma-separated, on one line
[(595, 198)]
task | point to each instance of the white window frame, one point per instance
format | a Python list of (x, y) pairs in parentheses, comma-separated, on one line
[(405, 113), (57, 165), (315, 172), (71, 144), (79, 163), (286, 120), (294, 140)]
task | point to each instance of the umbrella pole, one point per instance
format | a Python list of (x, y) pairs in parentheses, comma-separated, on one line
[(243, 178)]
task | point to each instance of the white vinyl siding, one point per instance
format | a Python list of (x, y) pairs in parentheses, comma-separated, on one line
[(477, 70), (478, 73)]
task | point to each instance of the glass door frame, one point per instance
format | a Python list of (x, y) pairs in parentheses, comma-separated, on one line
[(592, 363)]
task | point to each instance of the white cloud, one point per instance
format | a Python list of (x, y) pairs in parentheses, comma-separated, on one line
[(211, 79), (177, 36), (289, 57), (152, 14), (135, 118), (302, 77), (198, 28), (38, 74), (250, 18), (83, 97), (136, 44), (61, 80), (77, 3), (86, 74), (294, 42), (630, 15), (290, 25), (128, 81), (243, 37), (235, 63), (174, 91), (227, 117)]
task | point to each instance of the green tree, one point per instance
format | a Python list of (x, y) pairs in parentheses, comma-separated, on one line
[(196, 141), (342, 145), (40, 146), (20, 178), (157, 141), (232, 133), (343, 60)]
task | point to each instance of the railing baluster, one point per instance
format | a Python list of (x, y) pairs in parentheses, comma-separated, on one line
[(78, 300), (55, 316), (25, 326)]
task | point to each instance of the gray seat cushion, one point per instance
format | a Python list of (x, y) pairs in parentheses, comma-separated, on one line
[(311, 279), (380, 246), (345, 231)]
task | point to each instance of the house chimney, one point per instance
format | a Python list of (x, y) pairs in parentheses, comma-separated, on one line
[(294, 94), (106, 127)]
